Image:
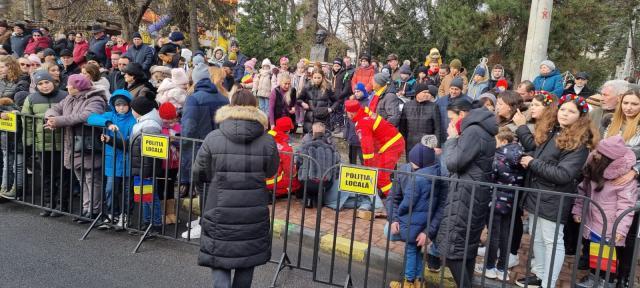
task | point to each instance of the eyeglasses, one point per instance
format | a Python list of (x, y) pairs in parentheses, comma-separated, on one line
[(25, 64)]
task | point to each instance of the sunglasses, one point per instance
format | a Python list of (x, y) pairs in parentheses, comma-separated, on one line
[(25, 64)]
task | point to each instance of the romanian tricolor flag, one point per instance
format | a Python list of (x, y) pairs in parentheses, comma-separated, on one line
[(247, 79), (142, 190), (594, 250)]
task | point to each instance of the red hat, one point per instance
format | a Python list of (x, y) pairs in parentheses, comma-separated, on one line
[(283, 124), (352, 106), (502, 83), (168, 111)]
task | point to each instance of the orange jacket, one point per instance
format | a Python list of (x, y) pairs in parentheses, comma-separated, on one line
[(376, 135), (365, 76)]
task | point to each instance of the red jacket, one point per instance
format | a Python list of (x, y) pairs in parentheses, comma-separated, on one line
[(42, 42), (79, 51), (286, 171), (364, 75), (376, 136), (122, 49)]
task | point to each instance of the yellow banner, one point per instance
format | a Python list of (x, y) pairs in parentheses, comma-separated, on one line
[(9, 125), (358, 180), (155, 146)]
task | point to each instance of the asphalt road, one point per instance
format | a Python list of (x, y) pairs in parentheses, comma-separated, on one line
[(47, 252)]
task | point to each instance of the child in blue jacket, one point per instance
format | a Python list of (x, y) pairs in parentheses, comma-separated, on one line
[(119, 123), (416, 210)]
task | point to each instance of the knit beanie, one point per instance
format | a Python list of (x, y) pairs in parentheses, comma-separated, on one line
[(405, 69), (352, 106), (490, 96), (159, 68), (549, 64), (168, 111), (251, 63), (480, 71), (80, 82), (34, 59), (457, 82), (283, 124), (615, 149), (119, 100), (41, 75), (382, 78), (199, 72), (422, 156), (266, 61), (503, 84), (136, 35), (143, 105), (176, 36), (360, 87), (179, 77), (198, 59)]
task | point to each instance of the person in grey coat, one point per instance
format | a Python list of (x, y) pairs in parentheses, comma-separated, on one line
[(387, 104), (470, 149), (236, 159), (140, 53)]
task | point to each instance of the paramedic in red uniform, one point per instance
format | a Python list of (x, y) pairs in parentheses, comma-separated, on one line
[(382, 144)]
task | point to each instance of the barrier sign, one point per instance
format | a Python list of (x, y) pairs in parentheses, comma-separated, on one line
[(10, 124), (358, 180), (155, 146)]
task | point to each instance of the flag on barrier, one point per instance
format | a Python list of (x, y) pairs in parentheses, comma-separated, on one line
[(142, 190), (594, 251)]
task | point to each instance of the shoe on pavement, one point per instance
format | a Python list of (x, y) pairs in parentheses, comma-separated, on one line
[(514, 261), (531, 281), (489, 273), (500, 275), (10, 194), (588, 281), (404, 284), (482, 251), (194, 233), (193, 223)]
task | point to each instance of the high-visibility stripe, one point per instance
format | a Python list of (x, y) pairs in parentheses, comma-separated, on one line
[(367, 156), (270, 181), (375, 124), (390, 142), (367, 111), (272, 133), (386, 188), (379, 91)]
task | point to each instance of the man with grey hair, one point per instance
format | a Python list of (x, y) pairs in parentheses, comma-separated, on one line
[(610, 93)]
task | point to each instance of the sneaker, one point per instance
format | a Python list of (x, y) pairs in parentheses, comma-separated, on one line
[(500, 275), (104, 224), (120, 225), (531, 281), (3, 190), (398, 284), (489, 273), (433, 263), (194, 223), (514, 261), (10, 194), (195, 233), (482, 251)]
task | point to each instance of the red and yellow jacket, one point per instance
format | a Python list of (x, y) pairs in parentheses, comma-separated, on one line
[(376, 135), (286, 172)]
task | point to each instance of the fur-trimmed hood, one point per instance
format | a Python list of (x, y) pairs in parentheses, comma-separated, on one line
[(241, 124), (4, 101)]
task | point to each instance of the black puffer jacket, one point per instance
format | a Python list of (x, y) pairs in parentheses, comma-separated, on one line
[(319, 102), (419, 119), (236, 159), (469, 157), (554, 170)]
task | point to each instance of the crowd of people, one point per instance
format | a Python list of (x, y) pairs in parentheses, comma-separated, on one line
[(543, 133)]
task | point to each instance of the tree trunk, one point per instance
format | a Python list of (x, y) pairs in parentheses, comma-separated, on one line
[(310, 20), (193, 26)]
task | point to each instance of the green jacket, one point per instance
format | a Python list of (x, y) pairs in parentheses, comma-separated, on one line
[(37, 104)]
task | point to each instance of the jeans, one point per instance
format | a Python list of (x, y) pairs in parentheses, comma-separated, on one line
[(113, 195), (91, 187), (543, 247), (156, 213), (242, 278), (11, 169), (263, 104), (499, 241), (414, 266)]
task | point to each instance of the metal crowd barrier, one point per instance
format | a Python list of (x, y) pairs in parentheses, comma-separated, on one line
[(167, 181)]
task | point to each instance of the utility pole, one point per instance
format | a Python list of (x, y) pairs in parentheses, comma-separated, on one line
[(193, 26), (537, 37)]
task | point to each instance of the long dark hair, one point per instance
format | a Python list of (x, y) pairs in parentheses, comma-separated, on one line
[(594, 170)]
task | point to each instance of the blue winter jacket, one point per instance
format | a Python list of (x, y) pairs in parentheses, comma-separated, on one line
[(417, 197), (143, 55), (200, 110), (97, 46), (551, 83), (125, 124)]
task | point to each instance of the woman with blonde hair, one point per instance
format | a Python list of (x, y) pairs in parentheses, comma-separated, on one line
[(282, 101), (317, 100)]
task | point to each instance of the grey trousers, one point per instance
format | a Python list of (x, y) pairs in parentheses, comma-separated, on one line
[(242, 278), (90, 179)]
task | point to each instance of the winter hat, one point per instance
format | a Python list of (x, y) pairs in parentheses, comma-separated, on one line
[(433, 90), (251, 63), (21, 24), (455, 63), (490, 96), (66, 52), (583, 107), (34, 59), (352, 106), (405, 69), (143, 105), (502, 83), (168, 48), (41, 75), (338, 61), (123, 94), (284, 60), (80, 82), (480, 71), (434, 56), (615, 149), (360, 87), (186, 54), (179, 76), (549, 64), (135, 70), (283, 124), (582, 75), (382, 78), (49, 52), (199, 72), (365, 57), (136, 35), (422, 156), (176, 36), (168, 111), (162, 69), (198, 59), (423, 69), (266, 61), (457, 82)]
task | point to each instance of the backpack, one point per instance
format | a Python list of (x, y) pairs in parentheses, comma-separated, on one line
[(325, 156)]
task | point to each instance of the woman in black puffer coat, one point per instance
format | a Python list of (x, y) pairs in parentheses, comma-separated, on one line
[(236, 159), (317, 100)]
